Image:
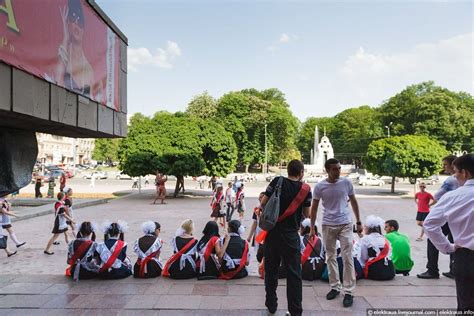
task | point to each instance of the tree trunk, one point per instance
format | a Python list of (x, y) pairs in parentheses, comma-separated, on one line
[(393, 185), (179, 185), (247, 168)]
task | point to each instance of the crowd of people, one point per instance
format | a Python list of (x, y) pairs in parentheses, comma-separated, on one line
[(294, 248)]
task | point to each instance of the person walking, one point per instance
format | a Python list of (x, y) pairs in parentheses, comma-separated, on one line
[(450, 184), (38, 185), (229, 201), (334, 193), (51, 185), (456, 208), (423, 200), (6, 212), (62, 182), (283, 241)]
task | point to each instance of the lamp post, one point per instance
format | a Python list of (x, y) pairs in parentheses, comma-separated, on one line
[(388, 129)]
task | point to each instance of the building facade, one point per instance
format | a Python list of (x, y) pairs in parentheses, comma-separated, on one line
[(53, 149)]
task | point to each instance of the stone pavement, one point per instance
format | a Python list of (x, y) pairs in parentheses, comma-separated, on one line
[(58, 295), (34, 280)]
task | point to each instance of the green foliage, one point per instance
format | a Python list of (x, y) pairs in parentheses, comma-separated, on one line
[(426, 109), (176, 144), (106, 149), (202, 106), (405, 156)]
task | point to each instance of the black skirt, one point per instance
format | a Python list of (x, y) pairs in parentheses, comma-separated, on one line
[(420, 216)]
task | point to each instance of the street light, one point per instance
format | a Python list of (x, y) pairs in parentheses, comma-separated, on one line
[(388, 129), (266, 152)]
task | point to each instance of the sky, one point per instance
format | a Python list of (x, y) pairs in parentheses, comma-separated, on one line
[(325, 56)]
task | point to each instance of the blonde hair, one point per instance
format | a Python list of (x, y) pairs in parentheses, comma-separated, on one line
[(188, 226)]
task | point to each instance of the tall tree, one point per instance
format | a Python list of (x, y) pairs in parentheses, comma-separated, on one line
[(405, 156), (202, 106), (106, 149), (176, 144), (426, 109)]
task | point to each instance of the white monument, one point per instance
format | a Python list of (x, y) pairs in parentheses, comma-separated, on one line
[(321, 152)]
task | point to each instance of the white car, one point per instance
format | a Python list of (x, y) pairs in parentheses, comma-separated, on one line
[(97, 175), (370, 180), (122, 176)]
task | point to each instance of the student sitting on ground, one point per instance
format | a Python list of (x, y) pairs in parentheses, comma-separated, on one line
[(113, 252), (237, 253), (312, 253), (182, 265), (81, 256), (210, 252), (375, 251), (148, 248), (400, 243)]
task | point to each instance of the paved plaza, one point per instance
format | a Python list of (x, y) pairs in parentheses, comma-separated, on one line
[(33, 283)]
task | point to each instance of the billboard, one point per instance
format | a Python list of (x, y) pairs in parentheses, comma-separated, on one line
[(64, 42)]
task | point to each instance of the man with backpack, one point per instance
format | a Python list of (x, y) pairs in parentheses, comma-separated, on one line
[(292, 200)]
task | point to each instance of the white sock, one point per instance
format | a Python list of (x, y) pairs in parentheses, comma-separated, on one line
[(15, 240)]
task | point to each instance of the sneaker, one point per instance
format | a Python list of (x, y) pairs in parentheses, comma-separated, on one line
[(12, 254), (448, 274), (348, 300), (22, 244), (56, 243), (427, 275), (332, 294)]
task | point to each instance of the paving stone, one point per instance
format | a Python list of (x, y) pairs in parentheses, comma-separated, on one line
[(100, 301), (178, 288), (58, 289), (243, 302), (43, 278), (360, 304), (40, 312), (178, 302), (101, 312), (158, 288), (237, 290), (142, 302), (431, 282), (210, 289), (25, 288), (407, 291), (25, 301), (138, 312), (413, 302), (211, 302), (60, 301)]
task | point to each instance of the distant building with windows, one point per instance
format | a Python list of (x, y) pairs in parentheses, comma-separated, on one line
[(53, 149)]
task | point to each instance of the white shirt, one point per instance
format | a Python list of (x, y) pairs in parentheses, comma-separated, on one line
[(229, 195), (334, 197), (450, 184), (376, 242), (457, 209)]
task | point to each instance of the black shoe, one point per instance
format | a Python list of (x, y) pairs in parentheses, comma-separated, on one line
[(348, 300), (56, 243), (448, 274), (22, 244), (427, 275), (332, 294), (12, 254)]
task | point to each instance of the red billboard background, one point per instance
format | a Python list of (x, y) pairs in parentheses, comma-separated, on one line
[(64, 42)]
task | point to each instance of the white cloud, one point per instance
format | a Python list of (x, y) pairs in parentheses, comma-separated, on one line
[(162, 58), (371, 77), (284, 38)]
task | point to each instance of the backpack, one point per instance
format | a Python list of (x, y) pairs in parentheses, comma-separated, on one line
[(270, 214)]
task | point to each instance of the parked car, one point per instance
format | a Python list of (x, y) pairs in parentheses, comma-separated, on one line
[(370, 180), (122, 176), (314, 179), (430, 180), (97, 175), (269, 178), (388, 179), (353, 176)]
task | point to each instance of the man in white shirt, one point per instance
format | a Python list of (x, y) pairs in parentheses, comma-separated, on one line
[(334, 192), (457, 209), (448, 185)]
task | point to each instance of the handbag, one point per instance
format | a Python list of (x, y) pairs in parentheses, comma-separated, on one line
[(271, 212), (3, 242)]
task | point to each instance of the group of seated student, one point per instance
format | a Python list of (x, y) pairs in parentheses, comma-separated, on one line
[(209, 258)]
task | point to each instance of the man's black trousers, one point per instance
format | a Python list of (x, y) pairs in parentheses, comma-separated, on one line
[(464, 276), (433, 253), (286, 248)]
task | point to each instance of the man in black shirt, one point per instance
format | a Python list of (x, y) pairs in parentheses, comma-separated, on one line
[(283, 241)]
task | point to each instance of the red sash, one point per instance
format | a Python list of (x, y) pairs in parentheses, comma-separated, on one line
[(143, 262), (81, 250), (175, 257), (291, 209), (210, 246), (308, 249), (381, 256), (57, 205), (218, 199), (118, 247), (229, 275)]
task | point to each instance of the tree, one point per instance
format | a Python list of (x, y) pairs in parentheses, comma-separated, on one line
[(202, 106), (426, 109), (405, 156), (106, 149), (176, 144), (305, 135)]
